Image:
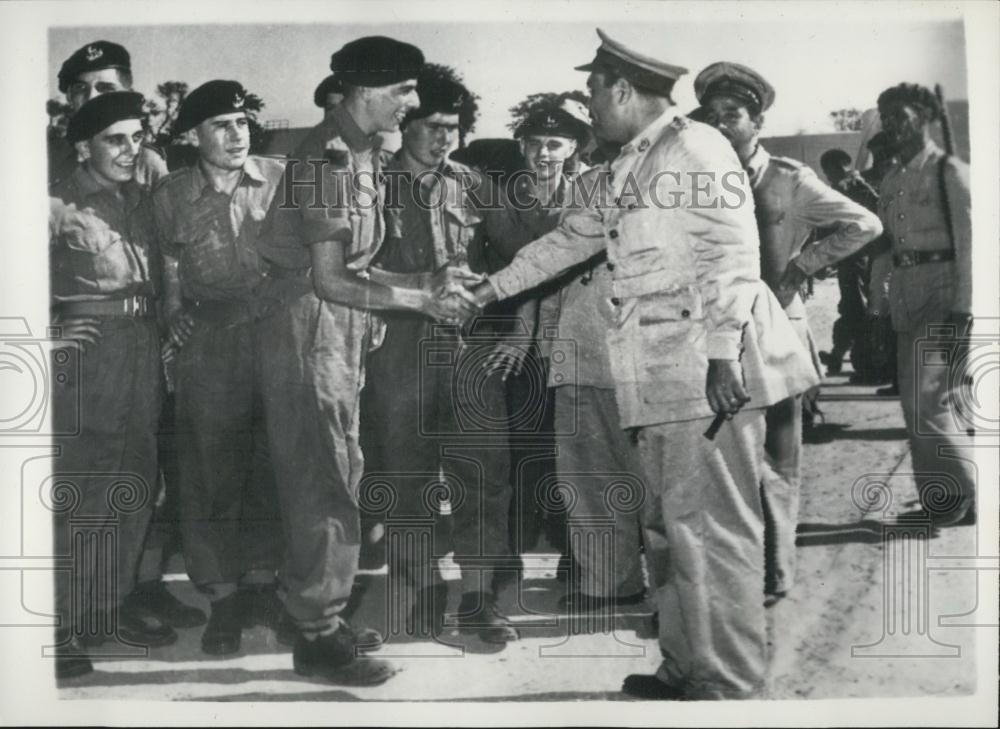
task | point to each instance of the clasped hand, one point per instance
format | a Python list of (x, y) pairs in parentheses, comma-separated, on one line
[(448, 297)]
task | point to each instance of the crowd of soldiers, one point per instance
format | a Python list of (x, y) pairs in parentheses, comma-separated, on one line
[(356, 339)]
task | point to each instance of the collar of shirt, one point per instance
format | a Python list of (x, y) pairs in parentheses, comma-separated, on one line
[(916, 164), (644, 139), (757, 163), (202, 186), (84, 181), (343, 124)]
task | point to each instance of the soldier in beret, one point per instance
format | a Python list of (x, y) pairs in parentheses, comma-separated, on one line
[(427, 417), (581, 399), (98, 68), (697, 336), (208, 217), (925, 204), (791, 202), (104, 287), (324, 228), (328, 94)]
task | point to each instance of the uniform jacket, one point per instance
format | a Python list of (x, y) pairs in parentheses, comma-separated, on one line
[(912, 209), (676, 216), (791, 201)]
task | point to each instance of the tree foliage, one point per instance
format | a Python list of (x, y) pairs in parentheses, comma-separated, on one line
[(846, 120)]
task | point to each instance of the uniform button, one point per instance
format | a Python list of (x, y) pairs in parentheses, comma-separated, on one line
[(901, 216), (615, 300), (902, 239), (685, 314), (613, 234), (900, 193), (611, 266)]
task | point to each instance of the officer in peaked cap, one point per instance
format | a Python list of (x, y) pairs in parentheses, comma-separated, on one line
[(210, 99), (791, 202), (733, 79), (376, 61), (642, 71), (329, 92), (737, 359)]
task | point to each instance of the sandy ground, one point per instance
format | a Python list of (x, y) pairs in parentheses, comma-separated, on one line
[(868, 617)]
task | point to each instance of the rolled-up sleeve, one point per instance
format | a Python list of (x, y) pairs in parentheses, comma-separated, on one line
[(818, 205)]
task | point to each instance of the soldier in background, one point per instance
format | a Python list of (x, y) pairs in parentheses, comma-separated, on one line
[(790, 202), (328, 94), (925, 204), (98, 68), (103, 269), (428, 417), (208, 217)]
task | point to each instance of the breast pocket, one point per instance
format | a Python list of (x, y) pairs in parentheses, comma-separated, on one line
[(460, 230), (207, 255)]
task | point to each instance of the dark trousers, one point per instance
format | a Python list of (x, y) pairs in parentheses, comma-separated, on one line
[(229, 508), (439, 421), (531, 413), (104, 480), (849, 329)]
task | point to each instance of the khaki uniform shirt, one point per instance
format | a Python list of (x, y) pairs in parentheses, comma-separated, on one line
[(101, 243), (911, 206), (791, 201), (213, 234)]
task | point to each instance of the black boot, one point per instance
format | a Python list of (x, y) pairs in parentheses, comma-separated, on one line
[(224, 631), (478, 611), (71, 661), (133, 626), (366, 640), (154, 599), (648, 686), (333, 657)]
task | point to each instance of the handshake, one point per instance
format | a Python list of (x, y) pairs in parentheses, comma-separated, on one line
[(448, 295)]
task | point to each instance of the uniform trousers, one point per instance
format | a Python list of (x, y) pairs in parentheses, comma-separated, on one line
[(600, 462), (229, 509), (439, 413), (930, 386), (105, 475), (704, 536), (312, 373)]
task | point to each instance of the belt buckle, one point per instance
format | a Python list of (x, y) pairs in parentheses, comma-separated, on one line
[(906, 258)]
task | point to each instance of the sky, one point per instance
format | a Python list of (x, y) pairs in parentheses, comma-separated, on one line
[(831, 60)]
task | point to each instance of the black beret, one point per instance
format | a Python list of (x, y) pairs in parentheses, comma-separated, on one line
[(441, 92), (879, 140), (93, 57), (102, 111), (553, 123), (210, 99), (329, 85), (376, 61)]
